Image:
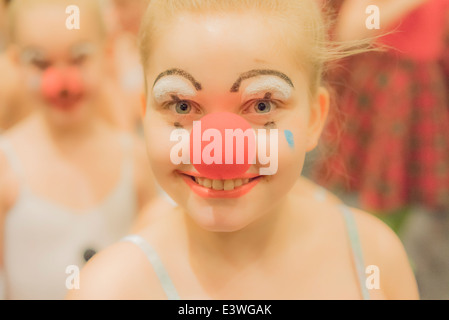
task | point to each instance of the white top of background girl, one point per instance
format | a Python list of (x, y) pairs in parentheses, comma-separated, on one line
[(43, 238)]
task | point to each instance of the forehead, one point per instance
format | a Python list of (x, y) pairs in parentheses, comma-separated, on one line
[(229, 44), (44, 26)]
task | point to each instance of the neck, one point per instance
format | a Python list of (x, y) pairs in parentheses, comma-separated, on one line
[(68, 134), (243, 247)]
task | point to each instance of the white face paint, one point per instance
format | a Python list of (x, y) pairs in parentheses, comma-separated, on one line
[(170, 85), (262, 84), (29, 55), (82, 50)]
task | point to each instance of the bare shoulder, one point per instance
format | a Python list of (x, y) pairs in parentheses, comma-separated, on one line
[(375, 234), (383, 249), (120, 272)]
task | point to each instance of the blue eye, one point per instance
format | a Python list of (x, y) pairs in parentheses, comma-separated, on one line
[(183, 107), (263, 107)]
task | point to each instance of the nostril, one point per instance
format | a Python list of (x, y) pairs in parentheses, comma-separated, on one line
[(64, 93)]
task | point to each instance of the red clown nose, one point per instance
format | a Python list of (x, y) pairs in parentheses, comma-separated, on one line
[(62, 87), (222, 146)]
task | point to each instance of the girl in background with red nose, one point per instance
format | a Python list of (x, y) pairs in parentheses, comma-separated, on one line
[(70, 183), (242, 230)]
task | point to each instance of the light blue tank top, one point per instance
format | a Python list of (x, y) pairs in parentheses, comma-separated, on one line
[(170, 289)]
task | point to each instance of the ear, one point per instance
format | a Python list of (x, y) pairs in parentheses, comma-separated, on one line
[(318, 116)]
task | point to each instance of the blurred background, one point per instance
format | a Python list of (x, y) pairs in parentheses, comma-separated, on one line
[(385, 148)]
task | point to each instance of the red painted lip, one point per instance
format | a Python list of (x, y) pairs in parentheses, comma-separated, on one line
[(223, 194)]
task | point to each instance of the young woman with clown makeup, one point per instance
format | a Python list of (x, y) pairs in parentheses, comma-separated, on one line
[(70, 184), (236, 233)]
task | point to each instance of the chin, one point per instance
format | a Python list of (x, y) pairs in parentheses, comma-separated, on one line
[(225, 214), (221, 215), (218, 225)]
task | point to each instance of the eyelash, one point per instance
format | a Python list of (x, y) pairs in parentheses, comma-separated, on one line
[(252, 104), (248, 110), (170, 105)]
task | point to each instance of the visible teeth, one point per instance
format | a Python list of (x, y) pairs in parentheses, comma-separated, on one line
[(217, 185), (238, 183), (228, 185), (207, 183)]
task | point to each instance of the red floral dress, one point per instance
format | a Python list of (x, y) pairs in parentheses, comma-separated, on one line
[(390, 140)]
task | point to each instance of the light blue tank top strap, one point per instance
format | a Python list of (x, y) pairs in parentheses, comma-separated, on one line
[(356, 249), (157, 264), (321, 194)]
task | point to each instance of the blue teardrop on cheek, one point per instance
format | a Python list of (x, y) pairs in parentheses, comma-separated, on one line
[(290, 140)]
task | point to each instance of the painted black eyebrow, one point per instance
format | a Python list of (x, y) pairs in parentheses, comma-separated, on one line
[(182, 73), (262, 72)]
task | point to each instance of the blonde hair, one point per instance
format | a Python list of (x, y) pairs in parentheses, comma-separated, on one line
[(304, 28), (16, 6)]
